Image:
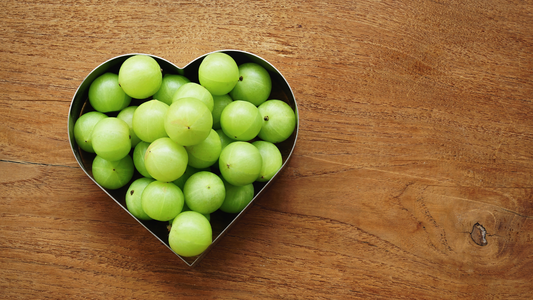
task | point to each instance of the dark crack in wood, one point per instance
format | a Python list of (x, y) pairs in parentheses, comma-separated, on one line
[(479, 234)]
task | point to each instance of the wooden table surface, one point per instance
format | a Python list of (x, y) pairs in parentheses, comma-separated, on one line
[(411, 177)]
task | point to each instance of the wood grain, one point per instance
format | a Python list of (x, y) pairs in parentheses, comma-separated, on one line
[(416, 124)]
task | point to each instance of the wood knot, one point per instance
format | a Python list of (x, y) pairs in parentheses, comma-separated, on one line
[(479, 234)]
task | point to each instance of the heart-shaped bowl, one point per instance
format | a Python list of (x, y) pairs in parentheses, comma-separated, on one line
[(221, 222)]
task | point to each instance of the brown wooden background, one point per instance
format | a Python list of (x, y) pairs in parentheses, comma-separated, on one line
[(416, 123)]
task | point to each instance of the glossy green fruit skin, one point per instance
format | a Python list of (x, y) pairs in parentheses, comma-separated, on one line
[(237, 197), (112, 175), (165, 160), (111, 139), (189, 171), (241, 120), (83, 129), (220, 102), (194, 90), (148, 120), (162, 201), (204, 192), (190, 234), (224, 139), (138, 158), (272, 160), (279, 121), (106, 95), (133, 198), (170, 84), (218, 73), (186, 208), (126, 115), (240, 163), (140, 76), (254, 84), (188, 121), (205, 153)]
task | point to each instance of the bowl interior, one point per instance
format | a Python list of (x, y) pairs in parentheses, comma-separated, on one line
[(221, 222)]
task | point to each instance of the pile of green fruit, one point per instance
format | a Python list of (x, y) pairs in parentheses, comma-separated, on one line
[(198, 146)]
